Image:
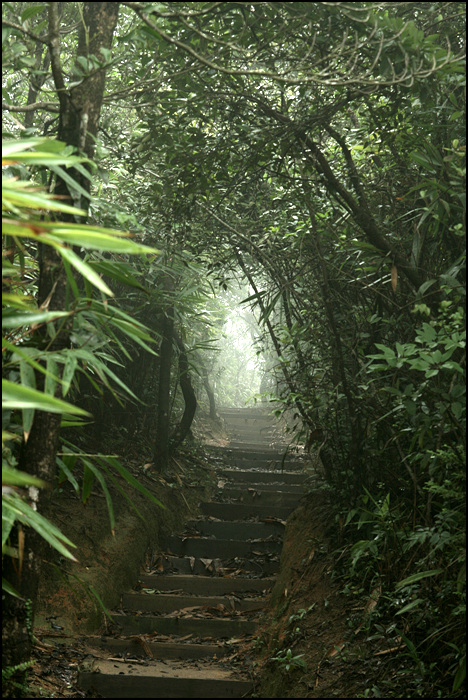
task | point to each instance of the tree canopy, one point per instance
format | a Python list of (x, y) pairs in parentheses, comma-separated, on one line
[(302, 163)]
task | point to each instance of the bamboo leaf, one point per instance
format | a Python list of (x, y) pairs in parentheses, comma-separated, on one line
[(84, 269), (17, 396), (13, 319), (132, 481), (25, 514), (417, 577)]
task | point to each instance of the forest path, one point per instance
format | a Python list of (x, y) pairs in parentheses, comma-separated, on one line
[(180, 630)]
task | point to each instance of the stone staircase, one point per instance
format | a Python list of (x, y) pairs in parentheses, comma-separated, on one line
[(207, 591)]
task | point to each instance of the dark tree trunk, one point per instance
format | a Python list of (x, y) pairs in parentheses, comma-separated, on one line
[(80, 109), (188, 393), (161, 446), (211, 396)]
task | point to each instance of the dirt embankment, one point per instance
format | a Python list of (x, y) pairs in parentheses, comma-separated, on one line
[(108, 564)]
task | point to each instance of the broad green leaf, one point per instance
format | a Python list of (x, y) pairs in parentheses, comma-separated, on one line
[(17, 396), (69, 369), (13, 197), (66, 473), (410, 606), (460, 675), (52, 377), (88, 479), (95, 239), (12, 319), (14, 477), (28, 379), (28, 516), (102, 481), (132, 481), (118, 272), (84, 269), (418, 577)]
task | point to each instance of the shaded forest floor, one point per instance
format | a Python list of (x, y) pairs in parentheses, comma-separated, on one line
[(313, 640)]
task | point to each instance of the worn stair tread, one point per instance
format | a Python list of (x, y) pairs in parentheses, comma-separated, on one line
[(228, 529), (257, 496), (158, 679), (241, 511), (231, 488), (166, 602), (180, 669), (192, 614), (220, 548), (213, 566), (261, 476), (160, 650), (200, 626), (193, 583)]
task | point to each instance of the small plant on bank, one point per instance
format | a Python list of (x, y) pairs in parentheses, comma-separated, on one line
[(288, 662)]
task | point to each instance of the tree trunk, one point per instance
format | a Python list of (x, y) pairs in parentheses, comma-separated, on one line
[(80, 109), (161, 445), (188, 393), (209, 391)]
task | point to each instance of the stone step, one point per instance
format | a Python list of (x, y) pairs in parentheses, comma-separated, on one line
[(165, 602), (236, 529), (159, 650), (211, 583), (206, 585), (216, 548), (264, 488), (232, 415), (162, 679), (257, 495), (201, 627), (241, 511), (261, 455), (274, 447), (207, 566), (258, 432), (259, 476)]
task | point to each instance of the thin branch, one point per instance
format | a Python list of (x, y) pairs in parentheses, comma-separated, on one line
[(407, 77), (47, 106), (36, 37)]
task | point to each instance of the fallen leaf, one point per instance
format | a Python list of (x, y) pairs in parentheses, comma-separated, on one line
[(335, 649)]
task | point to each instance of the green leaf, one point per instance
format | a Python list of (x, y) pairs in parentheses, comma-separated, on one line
[(28, 516), (96, 239), (8, 588), (17, 396), (84, 269), (28, 379), (31, 199), (428, 333), (418, 577), (69, 369), (410, 606), (14, 477), (13, 319), (117, 272), (102, 481), (88, 479), (31, 12), (52, 377), (132, 481), (460, 675)]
